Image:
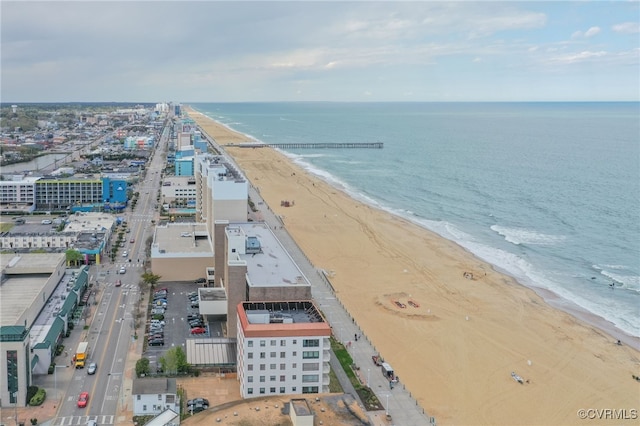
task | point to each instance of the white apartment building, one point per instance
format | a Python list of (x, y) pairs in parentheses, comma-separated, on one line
[(222, 191), (283, 349)]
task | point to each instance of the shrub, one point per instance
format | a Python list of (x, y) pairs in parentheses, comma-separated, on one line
[(38, 398), (52, 367)]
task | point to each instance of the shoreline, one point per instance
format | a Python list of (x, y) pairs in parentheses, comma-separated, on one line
[(458, 321)]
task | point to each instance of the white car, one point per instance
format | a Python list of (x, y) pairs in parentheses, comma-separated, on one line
[(125, 253), (122, 270)]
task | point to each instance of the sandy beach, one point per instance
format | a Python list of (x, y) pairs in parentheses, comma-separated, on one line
[(453, 328)]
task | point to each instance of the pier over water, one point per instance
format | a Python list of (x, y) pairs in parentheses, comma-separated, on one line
[(319, 145)]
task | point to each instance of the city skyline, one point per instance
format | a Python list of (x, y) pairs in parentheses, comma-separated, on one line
[(209, 51)]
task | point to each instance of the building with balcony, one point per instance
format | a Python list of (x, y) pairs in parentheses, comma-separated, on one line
[(283, 348)]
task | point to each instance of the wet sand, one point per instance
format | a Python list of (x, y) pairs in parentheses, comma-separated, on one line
[(453, 328)]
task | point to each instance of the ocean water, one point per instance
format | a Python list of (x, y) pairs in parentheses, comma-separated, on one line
[(546, 192)]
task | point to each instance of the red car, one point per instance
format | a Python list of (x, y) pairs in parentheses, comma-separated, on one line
[(198, 330), (118, 283), (83, 399), (132, 240)]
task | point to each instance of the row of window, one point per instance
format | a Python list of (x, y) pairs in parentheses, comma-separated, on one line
[(306, 378), (272, 390), (307, 343)]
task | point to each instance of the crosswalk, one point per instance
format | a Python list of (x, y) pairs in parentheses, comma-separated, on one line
[(82, 420)]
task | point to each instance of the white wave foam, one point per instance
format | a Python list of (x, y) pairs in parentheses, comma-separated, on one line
[(519, 236), (629, 282)]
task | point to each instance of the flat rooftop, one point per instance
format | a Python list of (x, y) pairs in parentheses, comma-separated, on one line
[(25, 277), (89, 222), (297, 312), (268, 263), (181, 239)]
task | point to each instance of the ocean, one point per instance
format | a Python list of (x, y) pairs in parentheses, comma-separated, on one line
[(548, 193)]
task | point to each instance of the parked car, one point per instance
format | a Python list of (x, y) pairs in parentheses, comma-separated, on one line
[(156, 336), (132, 240), (83, 399), (200, 281), (91, 368), (156, 342), (157, 311), (197, 408), (192, 317), (195, 304), (157, 317), (202, 401), (198, 330), (125, 253)]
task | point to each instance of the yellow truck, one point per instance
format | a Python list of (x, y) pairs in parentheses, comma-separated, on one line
[(81, 354)]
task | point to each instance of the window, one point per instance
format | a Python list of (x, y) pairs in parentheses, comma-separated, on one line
[(272, 355), (262, 391), (272, 390), (293, 389), (283, 354), (309, 389), (294, 365), (263, 355), (249, 367), (250, 355), (310, 354), (282, 378), (249, 391), (283, 343), (272, 366), (311, 366), (273, 343), (263, 367), (306, 378), (282, 389), (295, 342), (294, 353), (138, 397), (272, 378), (144, 408), (311, 343), (262, 379), (263, 343), (159, 397), (294, 377), (249, 379), (250, 343)]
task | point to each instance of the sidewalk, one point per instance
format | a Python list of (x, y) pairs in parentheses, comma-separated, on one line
[(398, 402)]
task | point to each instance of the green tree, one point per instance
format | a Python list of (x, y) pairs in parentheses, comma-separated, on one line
[(73, 257), (150, 278), (174, 361), (142, 367)]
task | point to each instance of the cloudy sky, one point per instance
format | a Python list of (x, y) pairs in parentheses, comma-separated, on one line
[(213, 51)]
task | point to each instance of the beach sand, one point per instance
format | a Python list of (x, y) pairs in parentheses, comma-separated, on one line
[(470, 327)]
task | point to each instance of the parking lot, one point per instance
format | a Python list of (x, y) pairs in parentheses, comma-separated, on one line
[(176, 329)]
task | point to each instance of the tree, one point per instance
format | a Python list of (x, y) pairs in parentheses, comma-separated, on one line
[(150, 278), (142, 367), (73, 257), (174, 361)]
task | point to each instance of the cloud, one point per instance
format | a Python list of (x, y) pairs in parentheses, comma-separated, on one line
[(591, 32), (627, 28)]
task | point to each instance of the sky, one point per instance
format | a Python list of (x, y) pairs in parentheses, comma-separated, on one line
[(262, 51)]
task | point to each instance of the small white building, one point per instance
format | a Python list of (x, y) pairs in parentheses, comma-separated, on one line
[(152, 396)]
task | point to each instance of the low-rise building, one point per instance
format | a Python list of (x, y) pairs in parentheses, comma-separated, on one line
[(152, 396)]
